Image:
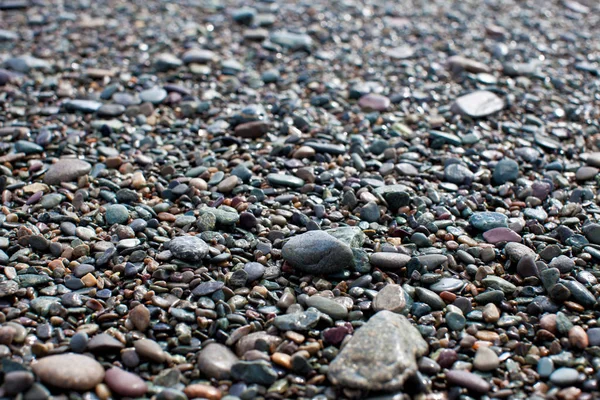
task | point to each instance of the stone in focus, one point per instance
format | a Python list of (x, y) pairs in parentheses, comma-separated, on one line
[(317, 252), (381, 355)]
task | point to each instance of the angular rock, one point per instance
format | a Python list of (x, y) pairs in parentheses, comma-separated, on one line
[(478, 104), (381, 355)]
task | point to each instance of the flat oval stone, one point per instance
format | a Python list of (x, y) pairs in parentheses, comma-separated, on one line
[(478, 104), (216, 360), (564, 376), (285, 180), (328, 306), (447, 284), (66, 170), (300, 321), (386, 260), (206, 288), (198, 56), (498, 235), (125, 383), (487, 220), (154, 95), (69, 371), (468, 380), (374, 101)]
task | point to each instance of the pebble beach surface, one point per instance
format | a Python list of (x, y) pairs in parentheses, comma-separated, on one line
[(233, 200)]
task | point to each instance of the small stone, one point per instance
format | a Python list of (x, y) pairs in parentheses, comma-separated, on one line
[(564, 376), (506, 170), (125, 383), (391, 298), (485, 221), (527, 267), (66, 170), (491, 313), (140, 317), (478, 104), (328, 306), (216, 360), (259, 372), (200, 391), (486, 359), (468, 380), (392, 261), (516, 251), (188, 248), (104, 343), (285, 180), (17, 381), (470, 65), (317, 252), (374, 102), (150, 350), (578, 338), (116, 214), (498, 235), (545, 367), (563, 263), (299, 321), (458, 174)]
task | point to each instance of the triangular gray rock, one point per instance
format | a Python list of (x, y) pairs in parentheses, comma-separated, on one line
[(381, 355)]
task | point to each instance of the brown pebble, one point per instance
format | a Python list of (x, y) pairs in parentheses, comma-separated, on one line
[(548, 322), (125, 383), (140, 317), (491, 314), (89, 280), (282, 359), (578, 338), (488, 336), (199, 391)]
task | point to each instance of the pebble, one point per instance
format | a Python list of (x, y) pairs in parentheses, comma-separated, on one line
[(391, 298), (259, 372), (317, 252), (188, 248), (381, 355), (478, 104), (66, 170), (468, 380), (216, 360), (125, 383), (564, 376), (57, 370), (150, 350), (486, 359)]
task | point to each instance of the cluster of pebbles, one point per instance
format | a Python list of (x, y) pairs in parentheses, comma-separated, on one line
[(313, 199)]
